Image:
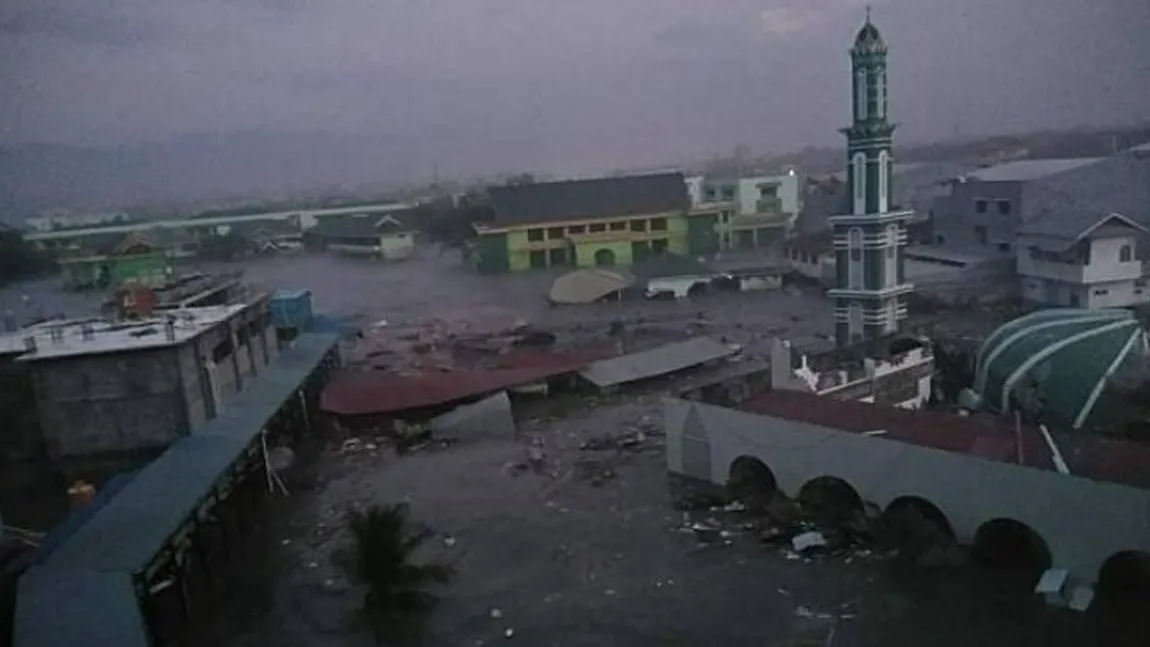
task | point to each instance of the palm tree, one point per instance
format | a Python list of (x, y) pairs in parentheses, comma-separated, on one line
[(382, 559)]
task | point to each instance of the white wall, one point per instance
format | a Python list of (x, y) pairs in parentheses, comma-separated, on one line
[(1106, 282), (1083, 521)]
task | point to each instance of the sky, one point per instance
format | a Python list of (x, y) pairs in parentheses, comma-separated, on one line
[(595, 81)]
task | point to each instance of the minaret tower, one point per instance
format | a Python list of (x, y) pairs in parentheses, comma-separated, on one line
[(870, 288)]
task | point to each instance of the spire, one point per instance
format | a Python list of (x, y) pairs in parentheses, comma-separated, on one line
[(869, 40), (868, 14)]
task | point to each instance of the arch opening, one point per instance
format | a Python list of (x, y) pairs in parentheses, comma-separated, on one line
[(1125, 575), (830, 500), (604, 258), (914, 525), (752, 482), (1011, 546)]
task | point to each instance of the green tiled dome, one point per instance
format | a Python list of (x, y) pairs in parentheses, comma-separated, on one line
[(1055, 364)]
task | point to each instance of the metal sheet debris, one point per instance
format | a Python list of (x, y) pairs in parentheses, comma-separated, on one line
[(662, 360), (486, 418)]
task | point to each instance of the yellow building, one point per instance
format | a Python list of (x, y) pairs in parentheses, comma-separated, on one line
[(586, 223)]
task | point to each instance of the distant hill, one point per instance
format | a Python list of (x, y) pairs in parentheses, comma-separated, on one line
[(216, 169)]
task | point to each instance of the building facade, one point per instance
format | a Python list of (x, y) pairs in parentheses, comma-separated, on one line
[(104, 388), (602, 222), (870, 287), (752, 212), (985, 208), (1085, 265), (382, 236)]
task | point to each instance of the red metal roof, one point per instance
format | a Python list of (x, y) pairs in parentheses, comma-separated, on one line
[(991, 438), (378, 393)]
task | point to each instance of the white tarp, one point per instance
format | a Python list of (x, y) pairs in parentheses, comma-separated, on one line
[(487, 418), (588, 285), (668, 358)]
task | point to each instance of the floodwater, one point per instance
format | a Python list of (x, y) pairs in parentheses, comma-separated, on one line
[(587, 550)]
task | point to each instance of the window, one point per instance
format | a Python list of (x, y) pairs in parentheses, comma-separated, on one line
[(538, 258), (534, 235), (557, 256), (855, 267), (640, 251), (880, 91), (980, 206), (940, 240), (854, 321), (618, 226), (597, 228), (728, 193), (222, 351), (555, 232), (659, 246), (891, 263), (638, 225), (860, 95), (1125, 255), (658, 224), (768, 191), (1101, 293), (859, 181), (1004, 207), (883, 180), (577, 229), (1004, 247), (709, 194), (981, 235)]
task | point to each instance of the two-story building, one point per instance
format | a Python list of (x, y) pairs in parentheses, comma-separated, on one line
[(600, 222), (753, 212), (385, 236), (1082, 260), (985, 208)]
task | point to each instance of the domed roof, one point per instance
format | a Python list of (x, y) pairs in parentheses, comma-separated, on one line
[(869, 40), (1055, 364)]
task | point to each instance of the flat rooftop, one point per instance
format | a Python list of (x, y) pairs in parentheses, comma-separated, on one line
[(980, 436), (1026, 170), (74, 337)]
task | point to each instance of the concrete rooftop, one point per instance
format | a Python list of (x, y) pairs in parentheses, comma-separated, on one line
[(75, 337)]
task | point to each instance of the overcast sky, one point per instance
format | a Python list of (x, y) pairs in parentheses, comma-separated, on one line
[(589, 79)]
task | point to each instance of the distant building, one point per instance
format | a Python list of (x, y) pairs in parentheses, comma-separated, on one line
[(752, 212), (604, 222), (114, 261), (58, 220), (985, 208), (104, 388), (382, 236), (870, 286), (1082, 260)]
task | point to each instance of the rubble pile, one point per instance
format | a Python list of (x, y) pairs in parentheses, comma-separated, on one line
[(801, 530)]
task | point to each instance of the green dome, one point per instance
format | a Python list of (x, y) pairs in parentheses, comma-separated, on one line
[(1055, 364)]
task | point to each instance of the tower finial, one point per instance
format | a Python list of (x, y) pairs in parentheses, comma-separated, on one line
[(868, 13)]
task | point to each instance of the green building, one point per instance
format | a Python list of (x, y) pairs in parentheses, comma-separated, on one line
[(113, 261), (600, 222)]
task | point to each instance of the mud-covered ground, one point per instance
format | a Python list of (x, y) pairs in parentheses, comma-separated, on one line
[(587, 550)]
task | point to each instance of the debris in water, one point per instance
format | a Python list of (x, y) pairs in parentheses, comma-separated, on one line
[(509, 633), (808, 541), (449, 542), (496, 614)]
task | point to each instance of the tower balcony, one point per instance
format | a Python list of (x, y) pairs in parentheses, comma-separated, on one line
[(890, 291)]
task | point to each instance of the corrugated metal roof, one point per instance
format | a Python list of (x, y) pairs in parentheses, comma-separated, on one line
[(374, 393), (1026, 170), (56, 609), (609, 197), (668, 358), (982, 436)]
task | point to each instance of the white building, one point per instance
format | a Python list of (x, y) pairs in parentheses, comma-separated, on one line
[(1089, 262)]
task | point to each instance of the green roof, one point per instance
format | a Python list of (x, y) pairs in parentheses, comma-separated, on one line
[(1055, 364)]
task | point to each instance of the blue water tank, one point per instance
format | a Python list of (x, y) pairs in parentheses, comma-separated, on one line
[(291, 309)]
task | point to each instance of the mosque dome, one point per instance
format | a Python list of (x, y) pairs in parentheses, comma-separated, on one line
[(1055, 365)]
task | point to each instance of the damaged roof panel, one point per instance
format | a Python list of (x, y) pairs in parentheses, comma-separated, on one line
[(668, 358)]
